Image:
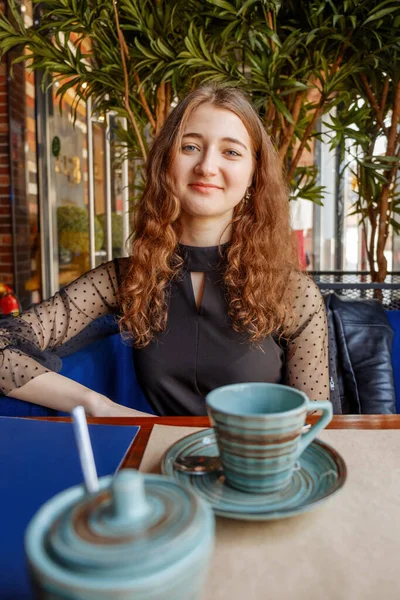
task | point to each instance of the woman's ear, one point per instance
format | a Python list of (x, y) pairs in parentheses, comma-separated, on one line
[(252, 180)]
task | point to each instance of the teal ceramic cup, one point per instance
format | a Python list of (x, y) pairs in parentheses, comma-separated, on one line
[(258, 427), (142, 537)]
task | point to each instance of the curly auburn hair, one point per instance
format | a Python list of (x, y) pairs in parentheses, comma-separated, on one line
[(260, 257)]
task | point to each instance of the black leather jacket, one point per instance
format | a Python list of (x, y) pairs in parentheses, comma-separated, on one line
[(360, 349)]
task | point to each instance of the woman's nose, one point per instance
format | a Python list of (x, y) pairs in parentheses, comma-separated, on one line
[(207, 165)]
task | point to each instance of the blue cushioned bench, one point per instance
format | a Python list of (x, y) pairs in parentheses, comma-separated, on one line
[(394, 320), (106, 366)]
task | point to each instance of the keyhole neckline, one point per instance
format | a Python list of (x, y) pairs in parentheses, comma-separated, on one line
[(203, 259)]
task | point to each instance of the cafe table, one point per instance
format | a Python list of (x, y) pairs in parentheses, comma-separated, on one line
[(347, 548)]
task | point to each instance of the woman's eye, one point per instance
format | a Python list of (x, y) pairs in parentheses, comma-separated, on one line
[(232, 153), (189, 148)]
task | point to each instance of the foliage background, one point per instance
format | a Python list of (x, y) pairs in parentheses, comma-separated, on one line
[(297, 60)]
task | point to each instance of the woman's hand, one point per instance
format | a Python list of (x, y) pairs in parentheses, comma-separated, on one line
[(63, 394)]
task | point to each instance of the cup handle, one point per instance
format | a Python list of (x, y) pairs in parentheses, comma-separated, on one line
[(326, 407)]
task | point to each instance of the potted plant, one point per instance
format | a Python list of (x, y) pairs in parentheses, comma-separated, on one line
[(116, 231), (73, 236), (137, 57)]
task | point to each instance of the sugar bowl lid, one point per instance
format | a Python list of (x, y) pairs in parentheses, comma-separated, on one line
[(138, 525)]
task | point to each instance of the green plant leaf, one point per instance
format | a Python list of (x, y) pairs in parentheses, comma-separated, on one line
[(223, 4), (381, 13)]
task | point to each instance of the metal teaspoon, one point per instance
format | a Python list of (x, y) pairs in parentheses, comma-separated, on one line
[(200, 465), (197, 465)]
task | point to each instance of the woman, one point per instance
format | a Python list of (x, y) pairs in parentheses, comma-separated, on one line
[(211, 294)]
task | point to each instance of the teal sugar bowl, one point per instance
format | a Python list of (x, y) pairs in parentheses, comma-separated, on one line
[(142, 537)]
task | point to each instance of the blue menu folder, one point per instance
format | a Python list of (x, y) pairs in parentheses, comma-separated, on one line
[(38, 459)]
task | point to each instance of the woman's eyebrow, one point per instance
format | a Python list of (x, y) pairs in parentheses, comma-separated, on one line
[(234, 141), (225, 139)]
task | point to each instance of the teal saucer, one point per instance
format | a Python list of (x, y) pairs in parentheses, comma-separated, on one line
[(319, 473)]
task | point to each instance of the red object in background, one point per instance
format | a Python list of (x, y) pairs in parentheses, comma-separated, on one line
[(8, 302), (299, 233)]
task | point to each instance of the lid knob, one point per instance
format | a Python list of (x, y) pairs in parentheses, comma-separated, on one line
[(129, 503)]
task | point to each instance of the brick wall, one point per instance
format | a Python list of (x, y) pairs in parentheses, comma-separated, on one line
[(6, 260), (17, 135), (16, 218)]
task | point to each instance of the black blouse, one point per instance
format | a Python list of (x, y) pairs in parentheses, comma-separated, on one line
[(198, 351)]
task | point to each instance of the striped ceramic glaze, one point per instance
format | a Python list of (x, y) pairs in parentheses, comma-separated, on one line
[(319, 473), (143, 537), (258, 430)]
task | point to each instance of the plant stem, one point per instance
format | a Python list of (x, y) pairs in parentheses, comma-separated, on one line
[(384, 215), (144, 101), (384, 96), (163, 104), (317, 113), (287, 137), (123, 52), (270, 113), (305, 138), (374, 103), (275, 127), (271, 26)]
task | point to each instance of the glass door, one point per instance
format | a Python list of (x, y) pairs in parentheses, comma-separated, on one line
[(83, 191)]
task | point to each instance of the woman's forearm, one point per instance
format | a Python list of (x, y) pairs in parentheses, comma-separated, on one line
[(63, 394)]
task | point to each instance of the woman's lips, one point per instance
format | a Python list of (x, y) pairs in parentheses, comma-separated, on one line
[(204, 188)]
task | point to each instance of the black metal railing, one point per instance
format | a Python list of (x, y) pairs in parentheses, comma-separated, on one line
[(358, 285)]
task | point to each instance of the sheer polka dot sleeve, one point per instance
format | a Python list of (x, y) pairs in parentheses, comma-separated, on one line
[(307, 367), (32, 344)]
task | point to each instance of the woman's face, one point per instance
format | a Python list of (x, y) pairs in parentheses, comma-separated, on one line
[(214, 165)]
